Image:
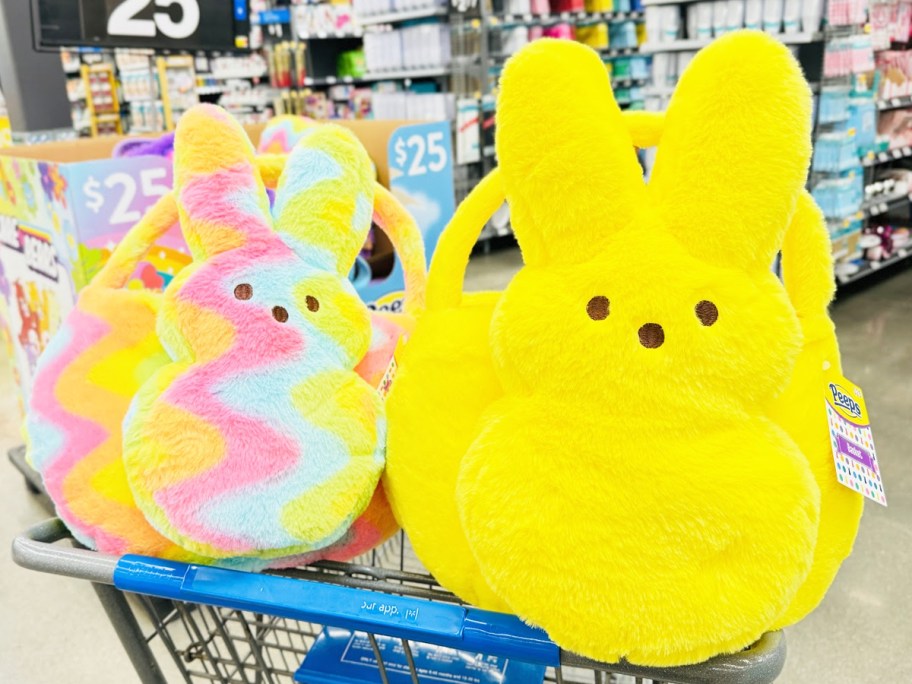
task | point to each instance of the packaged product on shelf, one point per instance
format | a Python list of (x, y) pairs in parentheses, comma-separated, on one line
[(773, 11), (811, 15), (351, 63), (719, 18), (791, 16), (734, 15)]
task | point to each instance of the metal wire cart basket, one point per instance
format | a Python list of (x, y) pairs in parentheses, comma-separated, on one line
[(381, 620)]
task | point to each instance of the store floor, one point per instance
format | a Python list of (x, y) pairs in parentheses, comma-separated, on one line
[(52, 628)]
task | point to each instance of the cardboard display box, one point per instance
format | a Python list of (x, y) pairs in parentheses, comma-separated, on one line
[(64, 206)]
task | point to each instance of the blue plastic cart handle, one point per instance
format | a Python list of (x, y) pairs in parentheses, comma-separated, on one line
[(467, 629)]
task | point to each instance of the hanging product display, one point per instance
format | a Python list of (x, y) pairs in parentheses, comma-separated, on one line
[(705, 533)]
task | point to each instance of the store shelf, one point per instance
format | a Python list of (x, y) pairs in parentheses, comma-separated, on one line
[(655, 3), (396, 17), (871, 267), (888, 156), (894, 103), (209, 90), (881, 205), (623, 82), (228, 75), (696, 44), (382, 76), (331, 35), (530, 19), (618, 52)]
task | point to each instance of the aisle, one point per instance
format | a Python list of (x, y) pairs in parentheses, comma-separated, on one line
[(52, 629)]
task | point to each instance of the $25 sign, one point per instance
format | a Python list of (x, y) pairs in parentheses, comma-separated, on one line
[(421, 153), (121, 198)]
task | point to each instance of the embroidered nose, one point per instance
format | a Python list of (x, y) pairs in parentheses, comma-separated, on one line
[(651, 335)]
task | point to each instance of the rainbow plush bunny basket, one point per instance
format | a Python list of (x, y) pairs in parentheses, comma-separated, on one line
[(630, 446), (109, 348)]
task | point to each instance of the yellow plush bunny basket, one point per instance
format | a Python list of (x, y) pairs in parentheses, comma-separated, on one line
[(612, 455)]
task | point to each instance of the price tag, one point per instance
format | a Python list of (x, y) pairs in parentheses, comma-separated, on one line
[(906, 151), (896, 102)]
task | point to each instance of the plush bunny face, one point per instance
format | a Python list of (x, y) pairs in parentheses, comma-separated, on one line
[(671, 279), (665, 320), (260, 439), (287, 308)]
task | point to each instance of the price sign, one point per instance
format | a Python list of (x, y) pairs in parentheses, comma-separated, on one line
[(421, 153), (421, 175), (112, 197), (175, 24)]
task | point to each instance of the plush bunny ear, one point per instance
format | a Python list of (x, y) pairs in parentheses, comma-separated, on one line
[(734, 155), (569, 167), (221, 199), (325, 198)]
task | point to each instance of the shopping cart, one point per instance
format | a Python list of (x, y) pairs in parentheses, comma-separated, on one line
[(202, 624)]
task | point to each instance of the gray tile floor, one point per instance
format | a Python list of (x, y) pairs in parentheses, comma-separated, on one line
[(53, 630)]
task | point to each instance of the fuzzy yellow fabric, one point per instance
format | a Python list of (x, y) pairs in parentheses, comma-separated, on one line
[(584, 449), (637, 350), (444, 382), (807, 265)]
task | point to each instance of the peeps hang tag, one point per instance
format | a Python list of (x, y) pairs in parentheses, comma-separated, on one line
[(387, 381), (851, 439)]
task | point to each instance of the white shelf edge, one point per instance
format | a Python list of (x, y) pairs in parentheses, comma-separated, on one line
[(696, 44), (330, 35), (395, 17), (380, 76)]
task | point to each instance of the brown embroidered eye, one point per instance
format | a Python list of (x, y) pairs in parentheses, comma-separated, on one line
[(312, 303), (597, 308), (707, 312), (280, 313), (243, 291)]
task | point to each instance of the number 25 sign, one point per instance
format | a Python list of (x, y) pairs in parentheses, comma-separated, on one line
[(178, 24), (124, 19)]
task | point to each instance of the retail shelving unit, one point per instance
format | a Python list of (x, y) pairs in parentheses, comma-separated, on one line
[(102, 101)]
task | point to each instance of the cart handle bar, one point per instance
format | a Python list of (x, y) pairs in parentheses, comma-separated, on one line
[(464, 628)]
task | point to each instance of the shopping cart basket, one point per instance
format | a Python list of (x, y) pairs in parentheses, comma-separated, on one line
[(221, 625)]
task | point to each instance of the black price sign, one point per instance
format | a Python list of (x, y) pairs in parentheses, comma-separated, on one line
[(167, 24)]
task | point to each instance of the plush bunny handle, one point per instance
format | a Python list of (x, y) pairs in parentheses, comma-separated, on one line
[(405, 235), (137, 243), (456, 242)]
